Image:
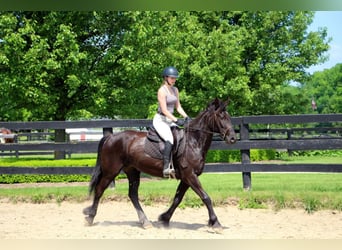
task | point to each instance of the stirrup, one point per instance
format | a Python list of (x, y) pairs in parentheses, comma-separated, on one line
[(169, 172)]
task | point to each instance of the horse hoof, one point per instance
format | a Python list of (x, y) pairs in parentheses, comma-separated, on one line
[(89, 221), (86, 211), (164, 220), (147, 225), (217, 228)]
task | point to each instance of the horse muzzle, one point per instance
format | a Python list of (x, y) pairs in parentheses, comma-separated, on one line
[(229, 136)]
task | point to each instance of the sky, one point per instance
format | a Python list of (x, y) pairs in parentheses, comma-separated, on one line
[(333, 21)]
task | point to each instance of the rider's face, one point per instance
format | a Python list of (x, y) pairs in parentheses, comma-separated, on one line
[(171, 80)]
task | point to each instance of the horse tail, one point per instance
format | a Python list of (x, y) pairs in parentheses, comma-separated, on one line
[(97, 173)]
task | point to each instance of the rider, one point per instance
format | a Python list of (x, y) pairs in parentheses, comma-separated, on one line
[(168, 100)]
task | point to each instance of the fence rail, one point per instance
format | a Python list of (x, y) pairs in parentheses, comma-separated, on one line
[(323, 133)]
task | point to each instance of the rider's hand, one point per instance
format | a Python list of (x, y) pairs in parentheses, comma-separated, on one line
[(187, 120), (180, 122)]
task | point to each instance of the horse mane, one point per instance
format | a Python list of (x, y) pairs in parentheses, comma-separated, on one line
[(205, 117)]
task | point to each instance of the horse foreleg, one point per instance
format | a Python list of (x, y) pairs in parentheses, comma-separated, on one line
[(197, 187), (134, 182), (92, 210), (181, 190)]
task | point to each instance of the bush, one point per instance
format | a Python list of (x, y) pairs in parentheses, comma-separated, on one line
[(18, 178), (235, 155), (309, 153)]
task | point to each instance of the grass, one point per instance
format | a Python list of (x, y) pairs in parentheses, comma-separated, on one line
[(48, 161), (308, 191)]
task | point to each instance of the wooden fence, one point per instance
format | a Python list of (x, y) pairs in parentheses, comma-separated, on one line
[(280, 132)]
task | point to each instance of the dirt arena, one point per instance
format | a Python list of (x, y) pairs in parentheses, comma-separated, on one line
[(118, 220)]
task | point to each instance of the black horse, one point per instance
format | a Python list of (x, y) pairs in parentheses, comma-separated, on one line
[(124, 151)]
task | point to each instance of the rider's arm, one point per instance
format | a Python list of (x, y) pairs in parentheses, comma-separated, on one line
[(179, 108)]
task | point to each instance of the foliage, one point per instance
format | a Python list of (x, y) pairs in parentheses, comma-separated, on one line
[(44, 71), (235, 155), (308, 155), (325, 88), (18, 178), (43, 162), (292, 100), (83, 65)]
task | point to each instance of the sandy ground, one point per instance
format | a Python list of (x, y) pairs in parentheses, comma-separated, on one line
[(118, 220)]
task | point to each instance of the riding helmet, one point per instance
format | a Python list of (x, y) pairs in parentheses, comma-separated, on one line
[(170, 71)]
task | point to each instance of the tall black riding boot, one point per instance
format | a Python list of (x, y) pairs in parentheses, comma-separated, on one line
[(167, 170)]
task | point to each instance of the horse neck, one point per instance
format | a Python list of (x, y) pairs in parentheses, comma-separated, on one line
[(199, 131)]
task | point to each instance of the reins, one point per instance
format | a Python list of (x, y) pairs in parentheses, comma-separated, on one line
[(200, 129)]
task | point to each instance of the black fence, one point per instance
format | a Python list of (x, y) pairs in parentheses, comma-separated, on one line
[(283, 132)]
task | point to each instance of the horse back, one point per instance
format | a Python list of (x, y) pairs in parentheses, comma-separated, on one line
[(120, 145), (125, 138)]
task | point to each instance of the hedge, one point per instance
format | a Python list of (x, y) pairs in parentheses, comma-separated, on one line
[(214, 156)]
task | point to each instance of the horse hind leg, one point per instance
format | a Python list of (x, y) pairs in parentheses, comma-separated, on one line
[(134, 182)]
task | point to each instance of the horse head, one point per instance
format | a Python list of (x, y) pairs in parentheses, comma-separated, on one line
[(6, 131), (220, 121)]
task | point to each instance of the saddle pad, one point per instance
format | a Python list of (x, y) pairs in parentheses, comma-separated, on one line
[(153, 149)]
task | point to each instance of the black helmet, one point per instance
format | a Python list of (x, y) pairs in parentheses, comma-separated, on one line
[(170, 71)]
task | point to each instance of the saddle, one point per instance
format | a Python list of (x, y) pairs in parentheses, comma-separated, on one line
[(154, 144)]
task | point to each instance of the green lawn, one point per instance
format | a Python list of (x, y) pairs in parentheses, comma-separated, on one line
[(309, 191), (49, 161)]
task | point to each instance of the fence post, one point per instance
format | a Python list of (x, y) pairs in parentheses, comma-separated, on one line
[(245, 156), (59, 137), (107, 131)]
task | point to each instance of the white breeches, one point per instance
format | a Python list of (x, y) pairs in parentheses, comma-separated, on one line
[(163, 126)]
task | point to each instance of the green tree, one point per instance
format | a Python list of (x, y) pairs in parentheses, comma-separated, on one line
[(249, 56), (46, 64), (292, 100), (62, 65), (325, 88), (277, 50)]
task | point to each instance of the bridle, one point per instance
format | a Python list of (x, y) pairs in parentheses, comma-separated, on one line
[(223, 135)]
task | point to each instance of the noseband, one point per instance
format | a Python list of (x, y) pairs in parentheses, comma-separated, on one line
[(226, 133)]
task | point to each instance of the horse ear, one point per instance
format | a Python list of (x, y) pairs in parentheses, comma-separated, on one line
[(214, 104), (227, 102), (222, 105), (218, 105)]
